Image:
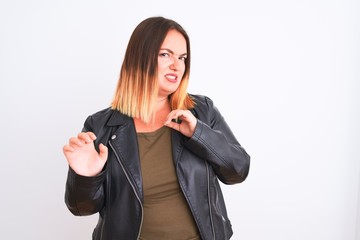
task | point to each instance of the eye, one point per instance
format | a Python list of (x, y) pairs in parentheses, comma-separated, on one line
[(164, 54), (182, 58)]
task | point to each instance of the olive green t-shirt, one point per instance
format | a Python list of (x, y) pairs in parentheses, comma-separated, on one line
[(166, 212)]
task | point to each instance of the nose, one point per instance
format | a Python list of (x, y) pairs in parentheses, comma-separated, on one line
[(175, 63)]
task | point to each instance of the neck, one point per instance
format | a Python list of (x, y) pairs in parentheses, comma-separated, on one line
[(161, 112), (162, 103)]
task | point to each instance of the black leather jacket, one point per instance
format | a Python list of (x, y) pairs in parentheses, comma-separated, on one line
[(212, 153)]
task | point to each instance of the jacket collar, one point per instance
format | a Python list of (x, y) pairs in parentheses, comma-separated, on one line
[(118, 118)]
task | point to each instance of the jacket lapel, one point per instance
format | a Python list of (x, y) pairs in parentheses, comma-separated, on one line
[(124, 141), (177, 140)]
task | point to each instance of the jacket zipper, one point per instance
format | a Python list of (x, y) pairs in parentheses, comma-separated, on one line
[(137, 196), (209, 198)]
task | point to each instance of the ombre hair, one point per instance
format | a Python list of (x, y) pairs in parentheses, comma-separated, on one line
[(137, 88)]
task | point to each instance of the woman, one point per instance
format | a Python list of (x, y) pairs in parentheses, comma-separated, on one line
[(150, 164)]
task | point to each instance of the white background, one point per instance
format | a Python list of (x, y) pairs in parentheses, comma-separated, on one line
[(284, 73)]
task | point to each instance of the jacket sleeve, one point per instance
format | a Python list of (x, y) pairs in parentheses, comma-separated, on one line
[(84, 195), (214, 141)]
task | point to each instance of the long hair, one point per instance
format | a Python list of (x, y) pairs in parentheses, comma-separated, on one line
[(137, 87)]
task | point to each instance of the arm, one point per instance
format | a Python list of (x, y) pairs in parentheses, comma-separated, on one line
[(84, 194), (211, 138), (214, 141)]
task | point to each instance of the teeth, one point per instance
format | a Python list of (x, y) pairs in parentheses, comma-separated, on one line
[(170, 76)]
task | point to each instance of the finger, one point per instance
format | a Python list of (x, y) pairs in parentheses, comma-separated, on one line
[(67, 149), (187, 116), (75, 142), (85, 137), (173, 115), (183, 115), (173, 125), (91, 135), (103, 152)]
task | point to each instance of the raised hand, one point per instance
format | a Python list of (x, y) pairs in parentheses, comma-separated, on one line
[(82, 155), (187, 122)]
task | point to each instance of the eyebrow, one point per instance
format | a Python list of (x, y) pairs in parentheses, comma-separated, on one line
[(172, 52)]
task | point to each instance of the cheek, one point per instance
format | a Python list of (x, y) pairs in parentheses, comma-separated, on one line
[(159, 67), (183, 71)]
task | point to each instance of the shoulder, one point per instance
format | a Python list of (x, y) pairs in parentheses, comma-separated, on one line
[(204, 108), (100, 116), (101, 123), (202, 102), (102, 113), (105, 117)]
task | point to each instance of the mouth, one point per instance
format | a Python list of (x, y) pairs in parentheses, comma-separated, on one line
[(171, 77)]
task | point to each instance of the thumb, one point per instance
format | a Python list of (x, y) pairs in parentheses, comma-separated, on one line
[(103, 152)]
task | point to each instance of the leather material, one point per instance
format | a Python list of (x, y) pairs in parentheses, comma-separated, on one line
[(211, 154)]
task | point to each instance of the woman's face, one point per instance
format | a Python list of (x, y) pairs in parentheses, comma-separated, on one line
[(171, 62)]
